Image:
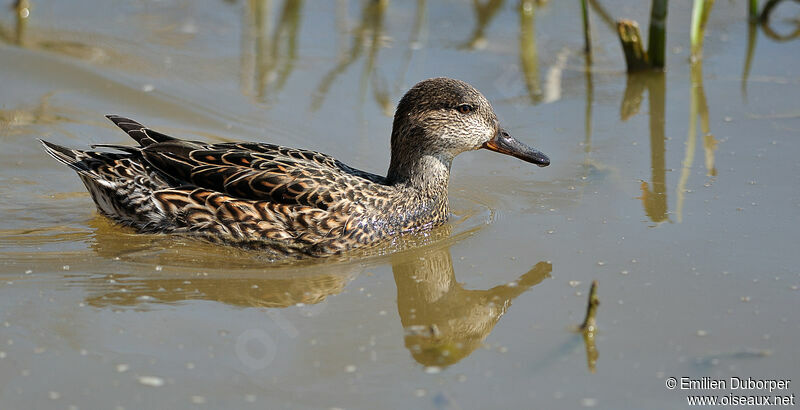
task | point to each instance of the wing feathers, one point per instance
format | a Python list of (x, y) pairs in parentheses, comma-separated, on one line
[(143, 135)]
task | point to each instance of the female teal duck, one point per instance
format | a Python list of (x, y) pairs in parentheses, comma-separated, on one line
[(292, 202)]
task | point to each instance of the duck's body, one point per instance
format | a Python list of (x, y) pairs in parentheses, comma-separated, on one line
[(293, 202)]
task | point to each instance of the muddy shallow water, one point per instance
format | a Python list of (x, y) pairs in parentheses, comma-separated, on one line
[(678, 192)]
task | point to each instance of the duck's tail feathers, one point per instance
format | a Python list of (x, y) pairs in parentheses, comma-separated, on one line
[(123, 148), (121, 187), (143, 135), (67, 156)]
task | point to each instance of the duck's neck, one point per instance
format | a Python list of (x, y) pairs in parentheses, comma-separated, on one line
[(423, 180), (426, 173)]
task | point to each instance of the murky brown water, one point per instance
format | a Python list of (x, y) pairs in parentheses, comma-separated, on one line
[(678, 192)]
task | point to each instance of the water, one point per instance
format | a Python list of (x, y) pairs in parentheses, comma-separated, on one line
[(677, 192)]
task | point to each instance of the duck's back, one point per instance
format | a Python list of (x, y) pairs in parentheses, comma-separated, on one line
[(255, 195)]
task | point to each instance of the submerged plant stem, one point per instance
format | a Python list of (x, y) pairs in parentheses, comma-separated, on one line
[(589, 328), (589, 323)]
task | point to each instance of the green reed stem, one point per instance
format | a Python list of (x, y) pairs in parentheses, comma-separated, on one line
[(700, 13), (587, 41), (657, 40), (752, 11)]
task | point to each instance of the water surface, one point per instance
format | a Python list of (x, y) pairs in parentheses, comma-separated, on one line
[(678, 192)]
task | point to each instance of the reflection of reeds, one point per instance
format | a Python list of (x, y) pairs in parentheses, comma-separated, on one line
[(415, 40), (698, 107), (369, 33), (528, 54), (23, 11), (654, 198), (604, 15), (587, 115), (268, 62), (656, 202), (484, 13)]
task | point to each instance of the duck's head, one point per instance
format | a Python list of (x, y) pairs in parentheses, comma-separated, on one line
[(441, 118)]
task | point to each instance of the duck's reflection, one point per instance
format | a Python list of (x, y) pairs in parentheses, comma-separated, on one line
[(443, 321), (199, 271), (272, 292)]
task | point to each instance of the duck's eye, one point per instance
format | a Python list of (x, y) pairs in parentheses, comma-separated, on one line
[(465, 108)]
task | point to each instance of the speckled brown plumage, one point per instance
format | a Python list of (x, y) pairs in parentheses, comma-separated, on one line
[(293, 202)]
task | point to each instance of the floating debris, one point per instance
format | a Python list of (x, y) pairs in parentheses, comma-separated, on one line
[(151, 381)]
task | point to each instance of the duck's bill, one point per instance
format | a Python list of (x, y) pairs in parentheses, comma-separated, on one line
[(506, 144)]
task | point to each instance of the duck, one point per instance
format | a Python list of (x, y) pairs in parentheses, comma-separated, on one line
[(290, 202)]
